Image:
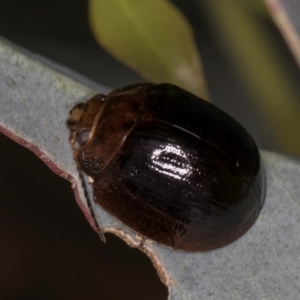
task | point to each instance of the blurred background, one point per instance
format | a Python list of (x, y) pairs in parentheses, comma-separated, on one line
[(48, 250)]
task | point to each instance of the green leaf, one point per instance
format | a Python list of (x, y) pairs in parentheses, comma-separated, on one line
[(152, 37)]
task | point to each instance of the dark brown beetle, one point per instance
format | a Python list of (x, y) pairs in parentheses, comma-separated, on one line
[(171, 166)]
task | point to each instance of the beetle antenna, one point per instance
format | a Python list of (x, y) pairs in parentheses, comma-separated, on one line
[(85, 191)]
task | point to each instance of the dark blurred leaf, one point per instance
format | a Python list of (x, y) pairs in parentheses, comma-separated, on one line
[(286, 15), (254, 54)]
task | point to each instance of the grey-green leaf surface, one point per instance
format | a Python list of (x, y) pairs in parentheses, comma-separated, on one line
[(262, 264), (152, 37), (286, 15)]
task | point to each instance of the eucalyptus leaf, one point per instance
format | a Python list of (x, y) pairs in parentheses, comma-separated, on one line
[(262, 264), (152, 37), (286, 15)]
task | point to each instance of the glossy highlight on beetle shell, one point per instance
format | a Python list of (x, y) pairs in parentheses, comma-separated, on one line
[(169, 165)]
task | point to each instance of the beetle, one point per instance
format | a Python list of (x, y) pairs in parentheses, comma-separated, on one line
[(174, 168)]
